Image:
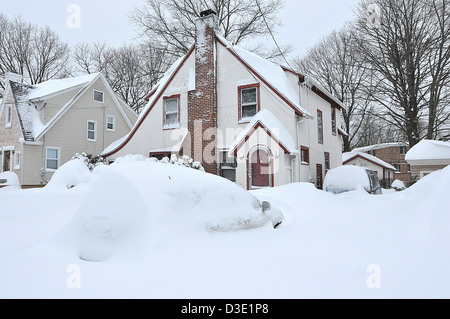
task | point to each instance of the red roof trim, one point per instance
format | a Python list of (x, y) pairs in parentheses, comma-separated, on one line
[(147, 98), (253, 130), (136, 127), (261, 78), (357, 155)]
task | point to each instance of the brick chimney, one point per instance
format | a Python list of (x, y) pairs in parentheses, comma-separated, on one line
[(202, 102)]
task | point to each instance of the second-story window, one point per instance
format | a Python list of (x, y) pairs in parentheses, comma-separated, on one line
[(111, 123), (333, 121), (248, 102), (92, 131), (98, 96), (320, 126)]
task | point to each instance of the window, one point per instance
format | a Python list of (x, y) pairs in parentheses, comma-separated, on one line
[(172, 112), (320, 126), (8, 116), (398, 168), (402, 150), (228, 166), (53, 158), (92, 131), (374, 152), (160, 156), (110, 123), (17, 161), (98, 96), (333, 121), (305, 155), (327, 161), (248, 102), (409, 168)]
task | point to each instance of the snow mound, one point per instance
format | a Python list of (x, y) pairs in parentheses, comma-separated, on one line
[(69, 175), (428, 150), (105, 221)]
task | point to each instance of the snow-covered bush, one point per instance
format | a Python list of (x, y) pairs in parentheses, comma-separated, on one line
[(398, 185), (185, 161), (90, 160)]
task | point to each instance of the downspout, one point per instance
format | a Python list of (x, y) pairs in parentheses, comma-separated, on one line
[(44, 145)]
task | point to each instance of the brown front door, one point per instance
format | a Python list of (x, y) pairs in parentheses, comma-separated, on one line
[(260, 169), (319, 176), (6, 161)]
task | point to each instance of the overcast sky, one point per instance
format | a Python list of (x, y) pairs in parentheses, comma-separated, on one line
[(305, 21)]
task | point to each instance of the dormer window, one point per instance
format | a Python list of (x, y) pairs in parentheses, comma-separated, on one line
[(99, 96)]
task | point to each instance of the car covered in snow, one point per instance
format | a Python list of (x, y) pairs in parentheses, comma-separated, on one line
[(9, 180), (350, 178)]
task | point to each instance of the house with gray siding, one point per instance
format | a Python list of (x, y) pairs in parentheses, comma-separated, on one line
[(43, 126)]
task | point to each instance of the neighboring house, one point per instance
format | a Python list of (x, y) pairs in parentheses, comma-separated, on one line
[(427, 157), (247, 119), (384, 170), (42, 126), (393, 154)]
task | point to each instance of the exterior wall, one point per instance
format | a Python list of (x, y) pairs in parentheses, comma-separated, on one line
[(132, 116), (308, 131), (54, 104), (33, 162), (420, 171), (392, 156), (10, 136), (151, 135)]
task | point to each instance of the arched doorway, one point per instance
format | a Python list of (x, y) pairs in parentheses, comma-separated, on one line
[(260, 173)]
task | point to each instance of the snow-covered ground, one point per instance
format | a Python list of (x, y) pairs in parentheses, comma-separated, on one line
[(153, 228)]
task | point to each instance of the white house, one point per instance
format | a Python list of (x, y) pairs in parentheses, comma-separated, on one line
[(385, 171), (427, 157), (245, 118), (43, 126)]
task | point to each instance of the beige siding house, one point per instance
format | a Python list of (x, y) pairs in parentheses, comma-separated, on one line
[(243, 117), (43, 126), (427, 157)]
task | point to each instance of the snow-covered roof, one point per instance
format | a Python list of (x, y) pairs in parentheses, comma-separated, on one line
[(346, 157), (379, 146), (51, 87), (274, 128), (25, 95), (274, 75), (429, 150)]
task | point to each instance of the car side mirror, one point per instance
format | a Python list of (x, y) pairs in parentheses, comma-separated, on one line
[(266, 206)]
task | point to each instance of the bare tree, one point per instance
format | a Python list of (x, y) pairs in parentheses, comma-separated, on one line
[(336, 64), (171, 23), (406, 47), (132, 70), (36, 53)]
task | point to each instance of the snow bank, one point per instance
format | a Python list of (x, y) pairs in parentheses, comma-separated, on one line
[(69, 175)]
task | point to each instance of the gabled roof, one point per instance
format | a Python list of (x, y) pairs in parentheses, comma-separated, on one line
[(347, 157), (429, 150), (273, 127)]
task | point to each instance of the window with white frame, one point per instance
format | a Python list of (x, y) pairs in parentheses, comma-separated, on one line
[(53, 158), (249, 102), (99, 96), (333, 121), (92, 131), (171, 112), (17, 160), (228, 166), (8, 117), (111, 123), (320, 126)]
